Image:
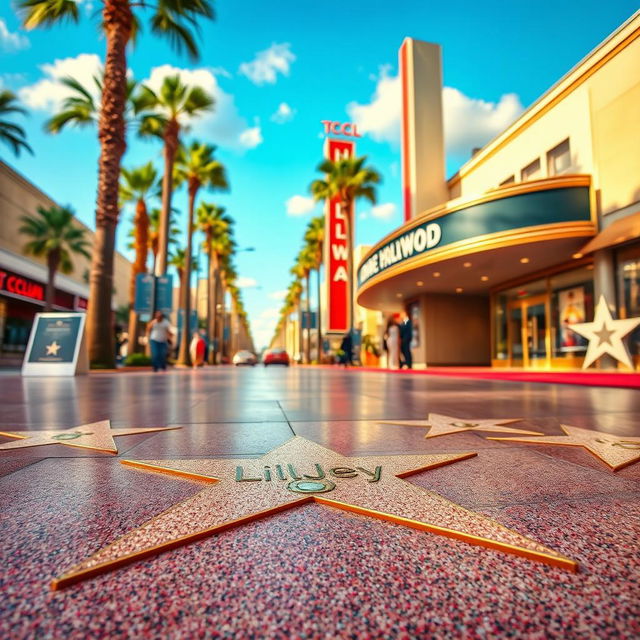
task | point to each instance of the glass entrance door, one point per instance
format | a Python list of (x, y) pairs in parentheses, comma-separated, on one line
[(529, 335)]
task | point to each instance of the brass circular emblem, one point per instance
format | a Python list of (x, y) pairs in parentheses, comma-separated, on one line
[(311, 486), (70, 436)]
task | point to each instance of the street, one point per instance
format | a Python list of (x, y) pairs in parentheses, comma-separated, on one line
[(315, 570)]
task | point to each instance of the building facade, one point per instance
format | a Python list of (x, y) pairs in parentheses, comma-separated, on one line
[(497, 262), (23, 278)]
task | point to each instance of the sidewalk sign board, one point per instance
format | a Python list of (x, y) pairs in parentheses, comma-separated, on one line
[(143, 303), (164, 294), (57, 346)]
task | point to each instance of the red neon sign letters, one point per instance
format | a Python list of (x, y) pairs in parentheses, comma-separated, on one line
[(20, 286), (337, 248), (335, 128)]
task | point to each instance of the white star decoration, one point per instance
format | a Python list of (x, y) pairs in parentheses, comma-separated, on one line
[(605, 335)]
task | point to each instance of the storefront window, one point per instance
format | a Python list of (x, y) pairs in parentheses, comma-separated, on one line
[(571, 303), (500, 328), (629, 286)]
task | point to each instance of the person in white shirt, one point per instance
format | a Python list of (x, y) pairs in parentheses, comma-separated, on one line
[(160, 334)]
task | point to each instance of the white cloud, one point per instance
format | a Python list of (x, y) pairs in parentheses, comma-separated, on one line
[(11, 42), (224, 125), (284, 113), (384, 211), (270, 314), (278, 295), (468, 122), (251, 137), (264, 325), (243, 282), (380, 118), (264, 68), (300, 205), (48, 93)]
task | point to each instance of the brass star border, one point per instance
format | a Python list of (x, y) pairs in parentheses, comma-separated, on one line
[(96, 436), (297, 473)]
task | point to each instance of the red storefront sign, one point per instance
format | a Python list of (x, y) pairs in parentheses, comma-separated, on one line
[(337, 247), (17, 285)]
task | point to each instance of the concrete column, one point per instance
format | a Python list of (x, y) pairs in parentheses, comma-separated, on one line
[(604, 283)]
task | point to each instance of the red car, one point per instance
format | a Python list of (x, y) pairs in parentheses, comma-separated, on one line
[(276, 356)]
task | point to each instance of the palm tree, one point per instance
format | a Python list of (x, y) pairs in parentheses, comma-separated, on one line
[(214, 223), (315, 240), (12, 134), (137, 186), (223, 248), (161, 115), (228, 276), (293, 302), (119, 23), (178, 261), (304, 265), (154, 234), (347, 179), (197, 167), (55, 237), (81, 108)]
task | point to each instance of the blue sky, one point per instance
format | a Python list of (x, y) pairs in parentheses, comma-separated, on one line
[(277, 69)]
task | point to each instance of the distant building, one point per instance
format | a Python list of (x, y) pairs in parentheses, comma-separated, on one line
[(23, 278), (495, 263)]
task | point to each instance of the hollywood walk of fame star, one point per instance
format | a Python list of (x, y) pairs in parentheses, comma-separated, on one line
[(53, 348), (446, 425), (97, 435), (615, 451), (605, 335), (297, 473)]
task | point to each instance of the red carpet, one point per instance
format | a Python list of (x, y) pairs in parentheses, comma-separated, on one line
[(585, 378)]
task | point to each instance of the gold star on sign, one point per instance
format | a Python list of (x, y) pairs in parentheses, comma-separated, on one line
[(446, 425), (297, 473), (97, 435), (53, 348), (615, 451), (605, 335)]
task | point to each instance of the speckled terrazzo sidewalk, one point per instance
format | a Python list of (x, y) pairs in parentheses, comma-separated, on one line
[(316, 571)]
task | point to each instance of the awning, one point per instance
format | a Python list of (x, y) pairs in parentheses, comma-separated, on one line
[(623, 230)]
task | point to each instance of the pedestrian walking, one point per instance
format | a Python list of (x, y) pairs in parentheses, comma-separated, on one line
[(197, 349), (392, 340), (346, 346), (160, 334), (406, 335)]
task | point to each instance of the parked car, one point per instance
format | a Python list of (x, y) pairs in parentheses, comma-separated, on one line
[(275, 356), (244, 357)]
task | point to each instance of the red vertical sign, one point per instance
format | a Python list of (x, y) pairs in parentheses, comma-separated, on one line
[(337, 248)]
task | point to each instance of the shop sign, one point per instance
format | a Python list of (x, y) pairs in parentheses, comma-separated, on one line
[(17, 285), (164, 294), (337, 247), (467, 224), (143, 301), (335, 128), (56, 346)]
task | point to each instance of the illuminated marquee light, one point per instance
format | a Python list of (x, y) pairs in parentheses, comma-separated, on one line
[(416, 241)]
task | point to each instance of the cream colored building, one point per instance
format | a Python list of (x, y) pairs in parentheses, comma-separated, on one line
[(23, 278), (535, 226)]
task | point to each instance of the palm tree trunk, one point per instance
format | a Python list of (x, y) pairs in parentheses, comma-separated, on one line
[(223, 317), (169, 153), (214, 274), (53, 261), (308, 347), (300, 343), (319, 316), (117, 20), (184, 357), (141, 225)]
